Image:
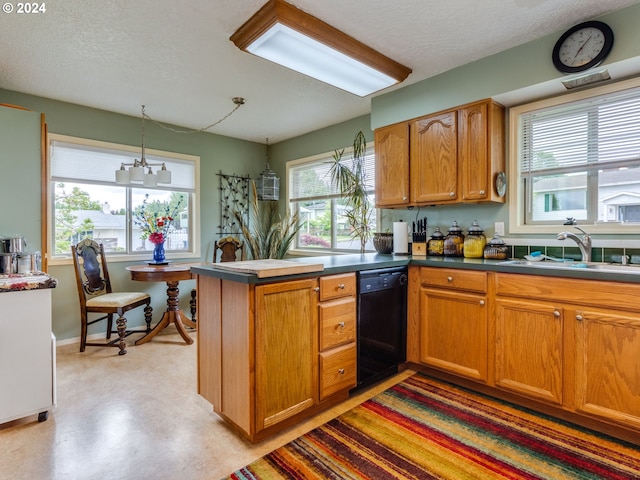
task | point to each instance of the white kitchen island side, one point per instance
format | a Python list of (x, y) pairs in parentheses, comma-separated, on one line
[(27, 354)]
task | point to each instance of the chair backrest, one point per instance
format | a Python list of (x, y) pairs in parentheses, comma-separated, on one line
[(92, 276), (228, 247)]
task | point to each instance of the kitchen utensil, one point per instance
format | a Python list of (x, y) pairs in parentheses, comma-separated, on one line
[(8, 263)]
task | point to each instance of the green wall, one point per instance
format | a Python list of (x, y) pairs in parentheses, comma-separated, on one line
[(20, 132)]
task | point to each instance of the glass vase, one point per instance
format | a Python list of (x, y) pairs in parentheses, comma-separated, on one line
[(158, 253)]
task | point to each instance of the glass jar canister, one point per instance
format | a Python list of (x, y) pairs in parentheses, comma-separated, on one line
[(496, 249), (435, 245), (475, 242), (454, 242)]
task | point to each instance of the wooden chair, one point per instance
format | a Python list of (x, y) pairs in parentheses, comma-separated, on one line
[(96, 296), (229, 247)]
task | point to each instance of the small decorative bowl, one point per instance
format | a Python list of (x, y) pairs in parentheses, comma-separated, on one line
[(383, 242)]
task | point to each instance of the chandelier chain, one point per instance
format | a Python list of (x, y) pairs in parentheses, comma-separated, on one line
[(239, 101)]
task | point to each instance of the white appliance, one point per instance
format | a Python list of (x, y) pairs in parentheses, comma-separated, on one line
[(27, 355)]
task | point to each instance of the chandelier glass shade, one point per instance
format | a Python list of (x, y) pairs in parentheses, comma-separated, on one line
[(141, 170)]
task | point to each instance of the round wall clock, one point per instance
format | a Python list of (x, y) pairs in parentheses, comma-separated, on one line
[(582, 47)]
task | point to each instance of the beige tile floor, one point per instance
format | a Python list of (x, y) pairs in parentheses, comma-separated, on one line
[(136, 416)]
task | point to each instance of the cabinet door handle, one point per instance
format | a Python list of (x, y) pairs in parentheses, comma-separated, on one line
[(341, 371), (449, 279), (317, 289), (341, 286), (556, 313), (481, 302), (341, 324), (579, 317), (452, 194), (404, 198), (481, 192)]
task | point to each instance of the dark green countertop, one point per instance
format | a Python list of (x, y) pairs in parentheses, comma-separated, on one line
[(334, 264)]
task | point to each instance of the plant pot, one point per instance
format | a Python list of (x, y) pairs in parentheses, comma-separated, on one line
[(383, 242)]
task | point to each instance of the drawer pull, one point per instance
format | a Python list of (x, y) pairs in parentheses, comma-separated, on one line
[(341, 371), (341, 286), (341, 324), (449, 279), (556, 313)]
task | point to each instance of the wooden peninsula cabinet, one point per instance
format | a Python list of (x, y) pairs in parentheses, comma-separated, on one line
[(447, 157), (265, 360)]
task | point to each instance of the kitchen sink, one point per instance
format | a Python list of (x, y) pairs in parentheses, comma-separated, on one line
[(603, 267)]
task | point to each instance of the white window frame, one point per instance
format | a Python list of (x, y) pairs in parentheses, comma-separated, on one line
[(194, 199), (320, 158), (516, 195)]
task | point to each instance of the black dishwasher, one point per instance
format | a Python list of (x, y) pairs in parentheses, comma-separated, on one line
[(382, 323)]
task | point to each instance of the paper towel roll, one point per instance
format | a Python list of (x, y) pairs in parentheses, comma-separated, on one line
[(400, 238)]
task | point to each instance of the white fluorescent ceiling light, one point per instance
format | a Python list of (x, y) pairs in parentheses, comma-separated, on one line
[(290, 37)]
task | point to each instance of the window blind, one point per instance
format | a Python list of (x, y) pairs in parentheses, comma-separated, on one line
[(71, 162), (312, 180), (600, 132)]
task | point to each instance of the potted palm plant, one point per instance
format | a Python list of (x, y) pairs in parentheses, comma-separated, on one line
[(351, 180)]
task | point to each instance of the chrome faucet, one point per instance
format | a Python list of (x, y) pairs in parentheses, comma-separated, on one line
[(584, 244)]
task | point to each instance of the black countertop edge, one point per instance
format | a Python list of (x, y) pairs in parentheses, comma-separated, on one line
[(334, 264)]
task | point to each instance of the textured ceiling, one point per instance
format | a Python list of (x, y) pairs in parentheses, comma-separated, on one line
[(176, 57)]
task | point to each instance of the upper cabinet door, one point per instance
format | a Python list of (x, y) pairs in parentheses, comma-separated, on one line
[(392, 165), (434, 159), (473, 151)]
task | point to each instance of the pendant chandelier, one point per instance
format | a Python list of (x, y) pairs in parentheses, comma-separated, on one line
[(268, 185), (141, 171)]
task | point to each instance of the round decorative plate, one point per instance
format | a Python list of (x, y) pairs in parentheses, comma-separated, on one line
[(501, 184)]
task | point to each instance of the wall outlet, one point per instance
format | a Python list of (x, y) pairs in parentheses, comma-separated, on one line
[(499, 228)]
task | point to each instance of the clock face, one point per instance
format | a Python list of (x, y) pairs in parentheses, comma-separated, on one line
[(582, 47)]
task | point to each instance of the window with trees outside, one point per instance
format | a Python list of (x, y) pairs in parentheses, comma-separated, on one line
[(85, 200), (318, 203), (579, 157)]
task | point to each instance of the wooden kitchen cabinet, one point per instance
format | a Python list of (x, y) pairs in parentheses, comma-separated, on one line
[(392, 165), (454, 156), (454, 321), (528, 349), (337, 313), (434, 159), (594, 354), (272, 354), (286, 329), (607, 372)]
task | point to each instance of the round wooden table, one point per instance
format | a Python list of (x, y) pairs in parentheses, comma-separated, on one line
[(172, 274)]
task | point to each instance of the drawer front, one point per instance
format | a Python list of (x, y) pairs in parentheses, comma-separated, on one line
[(469, 280), (337, 370), (336, 286), (337, 322)]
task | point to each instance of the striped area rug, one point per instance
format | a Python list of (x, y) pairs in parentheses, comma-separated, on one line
[(426, 429)]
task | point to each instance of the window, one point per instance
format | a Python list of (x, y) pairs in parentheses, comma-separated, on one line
[(310, 193), (85, 201), (579, 156)]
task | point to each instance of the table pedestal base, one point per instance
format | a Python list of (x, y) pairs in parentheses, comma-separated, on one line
[(172, 315)]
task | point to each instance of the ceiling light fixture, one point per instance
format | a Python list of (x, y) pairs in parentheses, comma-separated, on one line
[(140, 170), (290, 37)]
